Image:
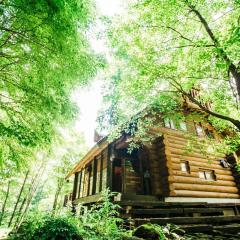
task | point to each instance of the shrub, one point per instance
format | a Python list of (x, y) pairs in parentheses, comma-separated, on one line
[(57, 228), (102, 220), (48, 228), (27, 228)]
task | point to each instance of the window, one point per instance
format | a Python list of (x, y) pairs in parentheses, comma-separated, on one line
[(185, 166), (169, 123), (208, 175), (183, 126), (203, 131), (199, 129)]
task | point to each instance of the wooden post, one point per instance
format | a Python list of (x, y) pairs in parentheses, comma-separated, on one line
[(80, 184), (101, 172), (74, 195), (83, 182), (110, 166), (141, 173), (95, 164), (123, 175), (89, 178)]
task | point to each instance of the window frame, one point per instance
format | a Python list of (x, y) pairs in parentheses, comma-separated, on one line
[(170, 123), (183, 128), (187, 165), (197, 126), (205, 172)]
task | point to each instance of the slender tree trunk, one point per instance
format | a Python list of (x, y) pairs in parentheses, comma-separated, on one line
[(20, 212), (233, 69), (18, 199), (5, 202), (58, 191), (27, 205), (32, 189)]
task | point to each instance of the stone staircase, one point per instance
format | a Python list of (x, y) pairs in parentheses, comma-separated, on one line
[(191, 217)]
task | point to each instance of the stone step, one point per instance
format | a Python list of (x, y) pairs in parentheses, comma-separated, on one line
[(231, 228), (164, 211), (213, 220), (197, 228)]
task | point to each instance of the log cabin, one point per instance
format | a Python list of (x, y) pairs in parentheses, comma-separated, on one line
[(165, 168), (167, 175)]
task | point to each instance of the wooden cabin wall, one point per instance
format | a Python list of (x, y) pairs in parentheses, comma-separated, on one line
[(184, 184)]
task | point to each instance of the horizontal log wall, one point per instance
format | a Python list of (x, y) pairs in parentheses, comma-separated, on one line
[(183, 184)]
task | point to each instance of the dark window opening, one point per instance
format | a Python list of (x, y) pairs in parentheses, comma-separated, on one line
[(209, 133), (208, 175), (185, 166)]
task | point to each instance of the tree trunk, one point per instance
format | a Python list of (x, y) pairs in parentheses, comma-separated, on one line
[(5, 202), (58, 191), (236, 75), (20, 213), (32, 189), (18, 199)]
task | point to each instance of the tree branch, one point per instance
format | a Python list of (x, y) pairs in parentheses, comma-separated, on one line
[(178, 86)]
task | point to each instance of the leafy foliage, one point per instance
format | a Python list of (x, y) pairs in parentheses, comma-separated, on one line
[(163, 49), (102, 221), (44, 53), (99, 222)]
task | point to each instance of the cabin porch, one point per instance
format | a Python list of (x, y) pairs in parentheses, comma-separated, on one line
[(141, 173)]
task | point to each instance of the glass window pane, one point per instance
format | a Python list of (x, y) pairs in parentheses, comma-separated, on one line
[(184, 167), (199, 130), (167, 123), (183, 126), (172, 124), (202, 175), (210, 175)]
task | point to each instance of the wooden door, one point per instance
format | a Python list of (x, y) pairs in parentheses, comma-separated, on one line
[(117, 175), (132, 176)]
